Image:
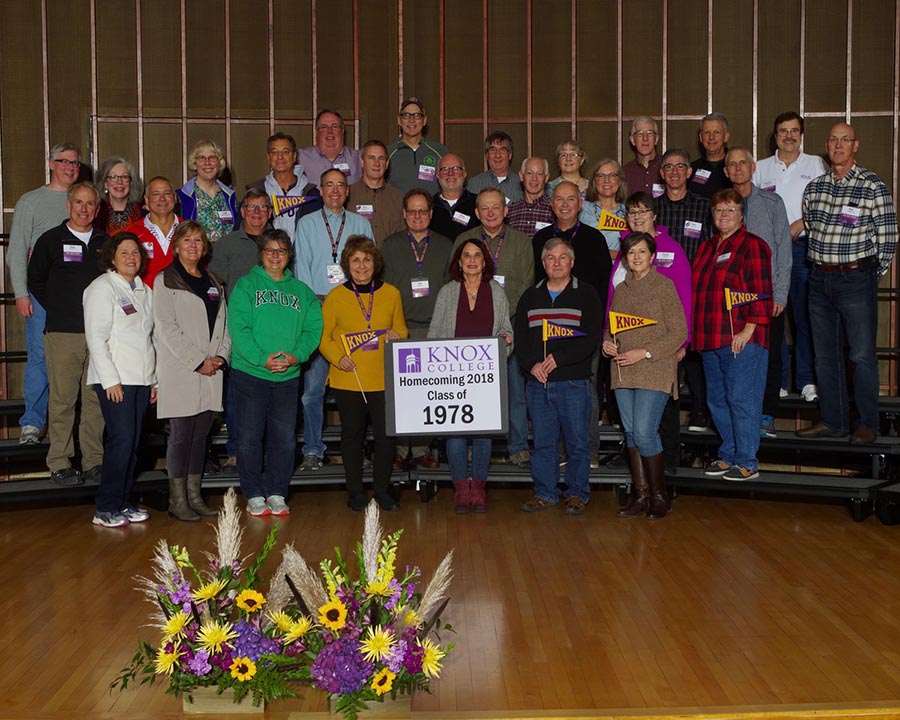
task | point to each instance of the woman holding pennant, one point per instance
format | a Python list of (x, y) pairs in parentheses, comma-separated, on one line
[(645, 376), (732, 291), (359, 317)]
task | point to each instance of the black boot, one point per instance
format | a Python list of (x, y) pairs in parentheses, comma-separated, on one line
[(655, 470), (639, 500)]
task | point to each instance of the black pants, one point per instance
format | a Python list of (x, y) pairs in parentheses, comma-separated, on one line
[(120, 445), (354, 413), (696, 380), (670, 433), (186, 451), (771, 397)]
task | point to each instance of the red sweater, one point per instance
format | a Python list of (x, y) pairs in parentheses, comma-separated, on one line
[(158, 260)]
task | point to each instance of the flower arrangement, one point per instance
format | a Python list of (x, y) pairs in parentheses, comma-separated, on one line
[(357, 639)]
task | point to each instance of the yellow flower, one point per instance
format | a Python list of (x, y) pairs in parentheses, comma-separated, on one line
[(209, 591), (333, 614), (243, 668), (166, 661), (281, 620), (298, 629), (250, 600), (431, 660), (379, 587), (377, 643), (408, 616), (213, 636), (175, 625), (383, 681)]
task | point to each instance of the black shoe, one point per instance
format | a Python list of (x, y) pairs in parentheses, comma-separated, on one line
[(614, 461), (92, 476), (387, 503), (67, 477), (698, 422), (357, 503)]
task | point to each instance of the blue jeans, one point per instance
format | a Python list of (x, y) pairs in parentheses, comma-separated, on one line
[(845, 304), (267, 410), (120, 444), (36, 388), (804, 373), (641, 412), (564, 405), (734, 393), (315, 373), (517, 437), (458, 457)]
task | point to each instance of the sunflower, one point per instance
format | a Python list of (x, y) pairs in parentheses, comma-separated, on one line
[(379, 587), (175, 625), (166, 661), (377, 643), (281, 620), (383, 681), (431, 659), (250, 600), (243, 668), (213, 636), (298, 629), (209, 591), (333, 614)]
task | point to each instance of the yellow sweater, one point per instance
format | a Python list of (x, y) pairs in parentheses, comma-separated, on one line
[(341, 314)]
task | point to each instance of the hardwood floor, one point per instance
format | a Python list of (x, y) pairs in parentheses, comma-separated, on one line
[(729, 606)]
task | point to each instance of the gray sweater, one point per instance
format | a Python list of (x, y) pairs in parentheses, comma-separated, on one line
[(765, 217), (36, 212), (443, 322)]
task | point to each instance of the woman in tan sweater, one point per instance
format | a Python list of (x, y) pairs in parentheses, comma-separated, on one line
[(644, 372)]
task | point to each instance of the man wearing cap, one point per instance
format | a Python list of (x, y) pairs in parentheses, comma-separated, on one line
[(454, 206), (379, 203), (414, 158), (329, 150)]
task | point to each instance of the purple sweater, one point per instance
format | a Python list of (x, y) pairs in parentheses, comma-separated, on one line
[(671, 262)]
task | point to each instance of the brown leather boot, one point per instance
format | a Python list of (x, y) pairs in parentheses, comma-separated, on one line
[(639, 500), (462, 496), (477, 499), (655, 470), (178, 504), (195, 499)]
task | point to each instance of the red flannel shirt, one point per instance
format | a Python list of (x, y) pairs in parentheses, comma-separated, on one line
[(743, 264)]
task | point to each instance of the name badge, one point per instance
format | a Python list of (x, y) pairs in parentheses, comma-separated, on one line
[(343, 167), (508, 201), (665, 259), (426, 172), (334, 274), (72, 253), (724, 257), (461, 218), (148, 246), (501, 280), (692, 229), (658, 189), (367, 211), (806, 177), (225, 216), (850, 215), (538, 225), (770, 188), (213, 294), (126, 306), (420, 288), (701, 176)]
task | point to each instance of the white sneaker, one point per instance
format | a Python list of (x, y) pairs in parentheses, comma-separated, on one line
[(133, 514), (809, 393), (783, 393), (257, 507), (110, 520), (30, 435), (277, 505)]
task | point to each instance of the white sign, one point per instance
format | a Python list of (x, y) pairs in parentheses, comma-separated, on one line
[(446, 387)]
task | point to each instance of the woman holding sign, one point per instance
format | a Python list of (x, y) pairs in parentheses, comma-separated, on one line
[(472, 304), (732, 333), (359, 317), (647, 330)]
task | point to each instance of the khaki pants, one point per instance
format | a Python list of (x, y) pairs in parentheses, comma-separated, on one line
[(67, 364)]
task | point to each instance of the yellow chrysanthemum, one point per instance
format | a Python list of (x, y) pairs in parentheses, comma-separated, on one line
[(174, 626), (209, 591), (431, 660), (377, 643), (166, 661), (281, 620), (333, 614), (379, 587), (243, 668), (298, 629), (408, 616), (250, 601), (383, 681), (213, 636)]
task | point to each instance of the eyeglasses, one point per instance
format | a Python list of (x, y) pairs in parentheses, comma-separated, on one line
[(571, 154), (783, 132), (275, 252), (498, 150), (118, 178), (844, 140), (256, 208), (70, 163), (606, 176), (669, 167), (638, 213), (643, 134), (207, 158), (411, 116), (281, 152), (451, 169), (333, 126), (720, 210), (417, 212)]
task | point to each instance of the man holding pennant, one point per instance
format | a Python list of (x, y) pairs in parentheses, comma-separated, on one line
[(564, 313)]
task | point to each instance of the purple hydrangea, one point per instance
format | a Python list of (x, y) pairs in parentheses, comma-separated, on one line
[(394, 660), (251, 642), (340, 668), (199, 664)]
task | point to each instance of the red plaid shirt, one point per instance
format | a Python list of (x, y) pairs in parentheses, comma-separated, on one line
[(743, 264)]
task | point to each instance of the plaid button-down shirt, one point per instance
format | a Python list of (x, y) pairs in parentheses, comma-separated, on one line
[(676, 214), (523, 215)]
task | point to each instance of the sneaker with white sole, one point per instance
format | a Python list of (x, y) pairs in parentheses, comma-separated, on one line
[(767, 427), (110, 520), (810, 393), (134, 515), (277, 505), (716, 468), (783, 393), (256, 506), (698, 421), (30, 435), (311, 461), (739, 474)]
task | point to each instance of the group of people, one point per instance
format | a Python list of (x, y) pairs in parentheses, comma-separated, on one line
[(634, 272)]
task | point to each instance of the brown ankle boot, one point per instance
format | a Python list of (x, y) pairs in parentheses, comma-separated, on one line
[(195, 499), (655, 469), (461, 497), (639, 500)]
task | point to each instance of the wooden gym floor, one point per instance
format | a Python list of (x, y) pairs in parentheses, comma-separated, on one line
[(728, 608)]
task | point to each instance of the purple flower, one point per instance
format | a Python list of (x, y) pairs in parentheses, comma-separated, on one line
[(394, 660), (340, 668), (251, 642), (199, 664), (223, 661), (396, 588), (412, 660)]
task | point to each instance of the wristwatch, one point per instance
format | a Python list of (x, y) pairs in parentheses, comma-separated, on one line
[(648, 355)]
